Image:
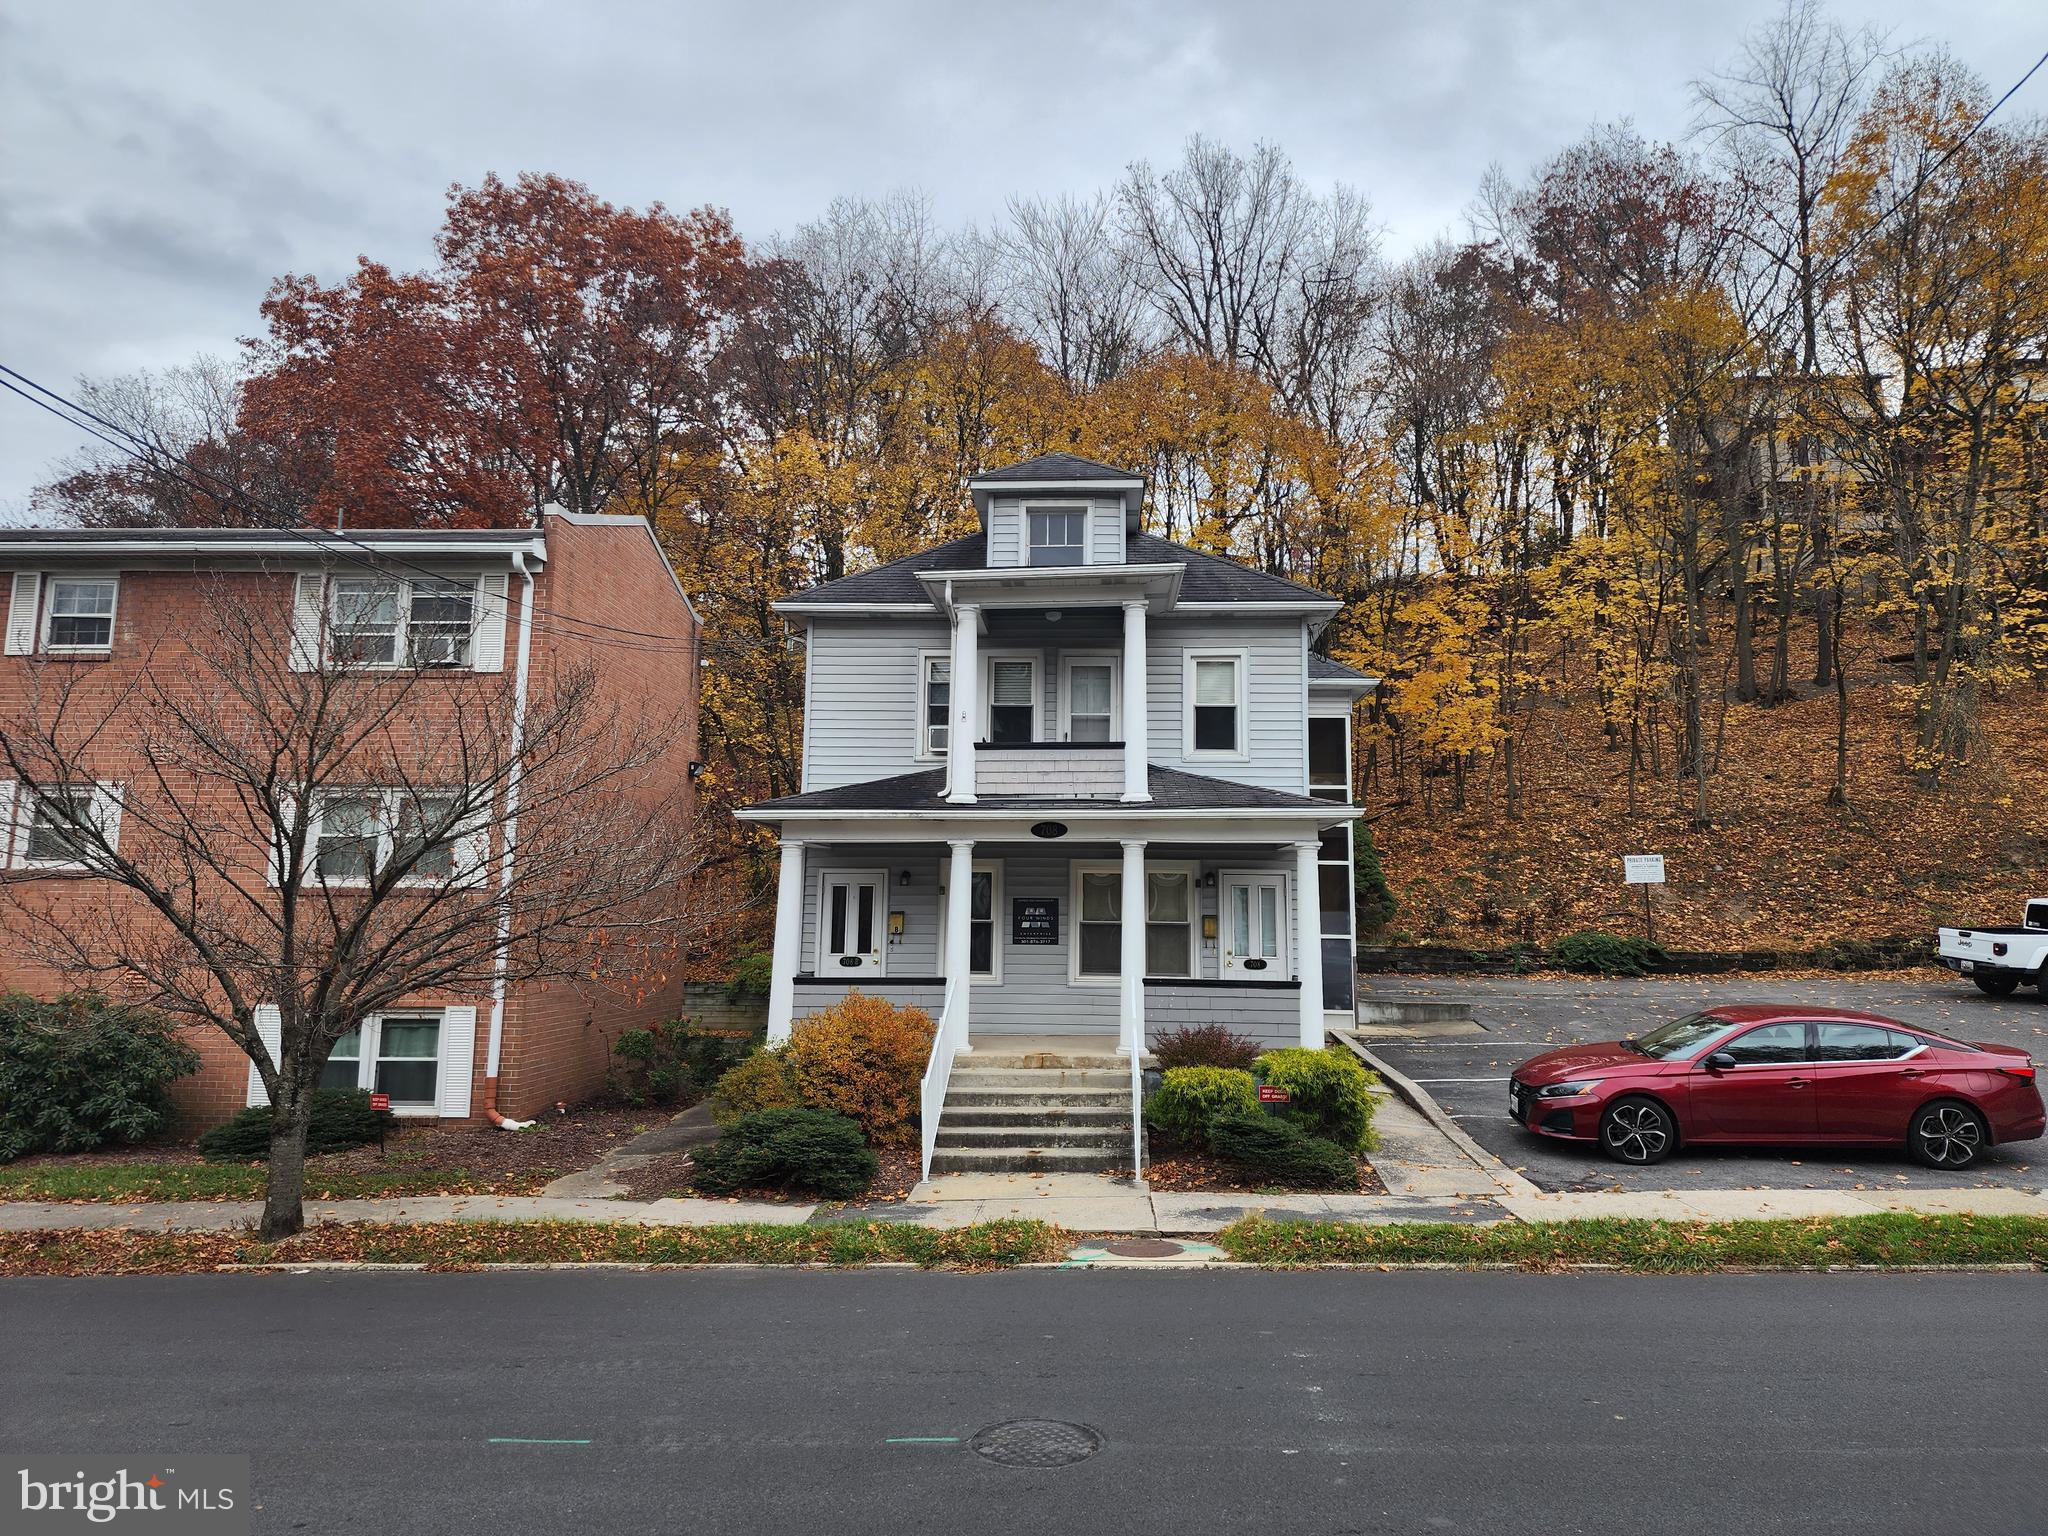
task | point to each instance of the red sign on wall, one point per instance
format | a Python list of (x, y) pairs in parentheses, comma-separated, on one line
[(1271, 1095), (380, 1101)]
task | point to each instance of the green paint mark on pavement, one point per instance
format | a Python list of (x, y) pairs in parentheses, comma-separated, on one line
[(922, 1440)]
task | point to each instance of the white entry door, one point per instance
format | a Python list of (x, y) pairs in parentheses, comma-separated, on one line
[(850, 921), (1254, 927)]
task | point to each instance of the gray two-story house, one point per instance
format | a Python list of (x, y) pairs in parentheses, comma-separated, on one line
[(1062, 778)]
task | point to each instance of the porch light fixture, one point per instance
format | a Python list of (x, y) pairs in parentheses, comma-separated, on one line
[(1048, 829), (1052, 615), (903, 878)]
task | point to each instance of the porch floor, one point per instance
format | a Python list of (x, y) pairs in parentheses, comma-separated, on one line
[(988, 1043)]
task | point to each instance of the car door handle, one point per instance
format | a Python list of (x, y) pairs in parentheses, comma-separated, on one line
[(1795, 1082), (1911, 1072)]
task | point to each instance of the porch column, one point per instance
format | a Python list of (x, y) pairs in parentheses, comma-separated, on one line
[(1136, 785), (1308, 941), (960, 935), (789, 940), (966, 689), (1131, 968)]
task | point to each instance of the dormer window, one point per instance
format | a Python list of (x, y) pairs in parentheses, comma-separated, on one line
[(1058, 535)]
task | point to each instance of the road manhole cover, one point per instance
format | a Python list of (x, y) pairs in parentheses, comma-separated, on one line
[(1036, 1443), (1144, 1248)]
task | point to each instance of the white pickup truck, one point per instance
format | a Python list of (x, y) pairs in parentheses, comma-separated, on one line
[(1999, 959)]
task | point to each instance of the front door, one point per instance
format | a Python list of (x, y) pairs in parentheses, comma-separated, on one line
[(1766, 1095), (1254, 927), (850, 924)]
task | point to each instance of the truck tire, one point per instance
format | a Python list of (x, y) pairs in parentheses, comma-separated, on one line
[(1996, 986), (2041, 984)]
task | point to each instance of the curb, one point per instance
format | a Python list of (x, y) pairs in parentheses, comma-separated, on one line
[(1510, 1182)]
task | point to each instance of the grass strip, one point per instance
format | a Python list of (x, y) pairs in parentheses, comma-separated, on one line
[(478, 1245), (133, 1183), (1650, 1247)]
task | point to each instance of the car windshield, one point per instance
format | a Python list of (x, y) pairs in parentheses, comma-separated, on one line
[(1681, 1037)]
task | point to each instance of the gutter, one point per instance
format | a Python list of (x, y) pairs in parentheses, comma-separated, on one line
[(504, 935)]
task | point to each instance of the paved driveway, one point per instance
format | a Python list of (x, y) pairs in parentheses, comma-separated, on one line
[(1525, 1016)]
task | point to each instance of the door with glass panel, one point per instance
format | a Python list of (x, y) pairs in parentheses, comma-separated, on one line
[(850, 925), (1254, 927)]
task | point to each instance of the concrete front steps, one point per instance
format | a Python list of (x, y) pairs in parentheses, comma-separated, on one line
[(1058, 1109)]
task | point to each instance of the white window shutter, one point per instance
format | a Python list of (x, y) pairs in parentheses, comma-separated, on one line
[(458, 1051), (487, 646), (106, 811), (270, 1028), (309, 597), (21, 612)]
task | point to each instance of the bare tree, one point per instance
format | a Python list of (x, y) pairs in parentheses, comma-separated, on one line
[(1072, 287), (249, 828)]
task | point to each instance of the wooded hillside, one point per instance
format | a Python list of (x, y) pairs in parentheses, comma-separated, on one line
[(1691, 498)]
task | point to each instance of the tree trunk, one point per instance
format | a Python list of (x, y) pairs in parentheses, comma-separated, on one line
[(1839, 794), (291, 1115)]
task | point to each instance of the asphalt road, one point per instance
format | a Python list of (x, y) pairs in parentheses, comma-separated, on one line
[(838, 1402), (1526, 1016)]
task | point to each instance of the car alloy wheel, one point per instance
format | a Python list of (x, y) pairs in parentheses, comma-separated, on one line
[(1637, 1131), (1947, 1136)]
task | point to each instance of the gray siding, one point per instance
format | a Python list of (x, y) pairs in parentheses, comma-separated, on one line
[(1106, 534), (1035, 996), (1276, 736), (1008, 543), (815, 997), (863, 688)]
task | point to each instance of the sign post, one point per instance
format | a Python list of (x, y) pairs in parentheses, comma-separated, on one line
[(1646, 870), (380, 1104)]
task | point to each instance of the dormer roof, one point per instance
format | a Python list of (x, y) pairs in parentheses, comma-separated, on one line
[(1054, 473)]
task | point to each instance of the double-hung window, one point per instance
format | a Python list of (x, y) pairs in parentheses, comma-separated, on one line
[(1170, 916), (1329, 778), (358, 832), (1214, 689), (984, 901), (1058, 535), (55, 827), (934, 704), (1088, 691), (1012, 700), (81, 614), (394, 1053), (377, 621)]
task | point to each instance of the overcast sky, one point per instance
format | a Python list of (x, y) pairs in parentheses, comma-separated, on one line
[(161, 160)]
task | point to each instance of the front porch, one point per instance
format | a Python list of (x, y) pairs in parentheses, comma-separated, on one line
[(1099, 940)]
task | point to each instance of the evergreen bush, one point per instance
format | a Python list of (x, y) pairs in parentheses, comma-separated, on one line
[(750, 977), (1188, 1098), (79, 1071), (666, 1063), (812, 1150), (342, 1118), (1604, 954), (1329, 1094), (1371, 897), (1281, 1151)]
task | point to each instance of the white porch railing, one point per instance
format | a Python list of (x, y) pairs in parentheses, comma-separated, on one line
[(938, 1071), (1137, 1113)]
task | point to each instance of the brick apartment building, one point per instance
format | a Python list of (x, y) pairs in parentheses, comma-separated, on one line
[(117, 606)]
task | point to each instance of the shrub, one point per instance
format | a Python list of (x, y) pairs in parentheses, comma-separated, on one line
[(765, 1080), (865, 1057), (1204, 1045), (1282, 1151), (1188, 1098), (666, 1063), (342, 1118), (807, 1149), (1328, 1093), (79, 1071), (1604, 954), (750, 977), (1371, 897)]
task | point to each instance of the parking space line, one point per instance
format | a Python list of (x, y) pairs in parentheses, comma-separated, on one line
[(1465, 1079)]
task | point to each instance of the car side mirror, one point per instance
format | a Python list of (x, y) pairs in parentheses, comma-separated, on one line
[(1720, 1061)]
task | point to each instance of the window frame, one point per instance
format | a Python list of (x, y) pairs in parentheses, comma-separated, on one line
[(370, 1050), (1086, 511), (1241, 752), (18, 812), (987, 703), (402, 657), (469, 843), (923, 751), (1068, 661), (53, 580), (1192, 868), (993, 868)]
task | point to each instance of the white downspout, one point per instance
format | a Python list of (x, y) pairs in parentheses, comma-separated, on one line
[(511, 822)]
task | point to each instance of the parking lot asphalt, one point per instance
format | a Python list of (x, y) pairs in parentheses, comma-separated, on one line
[(1524, 1016)]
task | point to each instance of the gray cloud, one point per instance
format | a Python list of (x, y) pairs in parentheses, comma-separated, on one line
[(159, 164)]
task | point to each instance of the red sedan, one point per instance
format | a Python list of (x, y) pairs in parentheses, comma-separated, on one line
[(1761, 1074)]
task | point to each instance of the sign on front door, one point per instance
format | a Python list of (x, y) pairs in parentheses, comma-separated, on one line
[(1035, 920)]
